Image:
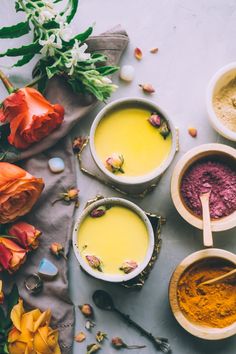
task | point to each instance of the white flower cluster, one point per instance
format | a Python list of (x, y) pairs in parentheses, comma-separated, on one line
[(50, 41)]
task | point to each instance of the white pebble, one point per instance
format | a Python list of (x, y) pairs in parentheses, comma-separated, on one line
[(127, 73), (56, 165)]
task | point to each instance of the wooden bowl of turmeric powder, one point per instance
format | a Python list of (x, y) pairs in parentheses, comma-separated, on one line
[(205, 311)]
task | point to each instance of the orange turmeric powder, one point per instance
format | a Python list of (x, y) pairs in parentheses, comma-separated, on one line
[(210, 305)]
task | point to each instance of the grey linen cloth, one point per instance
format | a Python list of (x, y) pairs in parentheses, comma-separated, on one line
[(56, 221)]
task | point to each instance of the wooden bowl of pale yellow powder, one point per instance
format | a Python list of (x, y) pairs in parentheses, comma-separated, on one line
[(221, 101)]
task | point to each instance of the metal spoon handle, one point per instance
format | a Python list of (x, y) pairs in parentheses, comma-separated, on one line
[(156, 340)]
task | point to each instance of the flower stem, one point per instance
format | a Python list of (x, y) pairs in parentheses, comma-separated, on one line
[(36, 80), (10, 88)]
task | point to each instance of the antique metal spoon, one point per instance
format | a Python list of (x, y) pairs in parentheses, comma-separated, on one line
[(104, 301)]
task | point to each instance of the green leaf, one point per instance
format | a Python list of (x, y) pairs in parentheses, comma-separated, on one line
[(73, 8), (2, 319), (32, 48), (82, 36), (12, 298), (15, 31), (24, 60), (107, 70)]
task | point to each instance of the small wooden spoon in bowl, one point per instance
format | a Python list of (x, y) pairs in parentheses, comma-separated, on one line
[(220, 279), (207, 233)]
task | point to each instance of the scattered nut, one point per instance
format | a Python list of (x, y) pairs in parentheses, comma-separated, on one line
[(147, 88), (154, 50), (192, 131), (80, 337), (86, 310), (138, 53)]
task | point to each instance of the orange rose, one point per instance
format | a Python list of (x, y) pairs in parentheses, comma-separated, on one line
[(11, 255), (31, 117), (19, 191)]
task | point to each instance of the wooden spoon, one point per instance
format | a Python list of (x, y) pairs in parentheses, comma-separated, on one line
[(220, 279), (207, 233)]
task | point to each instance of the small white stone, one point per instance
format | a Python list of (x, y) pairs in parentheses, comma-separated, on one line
[(127, 73), (56, 165)]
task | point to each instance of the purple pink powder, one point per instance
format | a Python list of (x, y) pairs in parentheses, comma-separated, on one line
[(217, 177)]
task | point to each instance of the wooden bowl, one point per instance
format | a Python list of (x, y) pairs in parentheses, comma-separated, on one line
[(195, 329), (223, 153)]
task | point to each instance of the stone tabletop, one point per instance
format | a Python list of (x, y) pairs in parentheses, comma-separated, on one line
[(195, 38)]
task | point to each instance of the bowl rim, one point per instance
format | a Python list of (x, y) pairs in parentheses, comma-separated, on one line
[(132, 180), (204, 332), (221, 224), (114, 278), (214, 120)]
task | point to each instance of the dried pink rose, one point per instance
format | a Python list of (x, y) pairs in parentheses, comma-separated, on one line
[(97, 212), (155, 120), (115, 162), (128, 266), (164, 130), (78, 143), (94, 262)]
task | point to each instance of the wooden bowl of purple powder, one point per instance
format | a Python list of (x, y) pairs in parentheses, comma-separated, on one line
[(208, 167)]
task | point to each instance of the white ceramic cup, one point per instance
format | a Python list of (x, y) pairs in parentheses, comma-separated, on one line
[(114, 277), (221, 78), (146, 179)]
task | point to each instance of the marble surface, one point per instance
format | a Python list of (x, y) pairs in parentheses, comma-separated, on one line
[(195, 38)]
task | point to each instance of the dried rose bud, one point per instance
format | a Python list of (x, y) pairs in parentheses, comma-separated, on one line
[(86, 310), (192, 131), (57, 250), (78, 143), (94, 262), (1, 292), (71, 195), (164, 130), (147, 88), (128, 266), (93, 348), (80, 337), (155, 120), (154, 50), (118, 343), (99, 211), (138, 53), (100, 336), (89, 324), (115, 162)]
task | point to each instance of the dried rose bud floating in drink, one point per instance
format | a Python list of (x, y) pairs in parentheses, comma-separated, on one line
[(219, 178)]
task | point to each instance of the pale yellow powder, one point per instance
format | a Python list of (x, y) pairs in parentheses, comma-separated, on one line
[(224, 103)]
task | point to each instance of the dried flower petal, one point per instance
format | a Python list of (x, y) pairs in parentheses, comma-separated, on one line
[(80, 337), (192, 131), (164, 130), (155, 120), (115, 162), (100, 336), (94, 262), (154, 50), (148, 88), (138, 53), (78, 143), (97, 212), (86, 310), (89, 324), (128, 266), (93, 348), (1, 292)]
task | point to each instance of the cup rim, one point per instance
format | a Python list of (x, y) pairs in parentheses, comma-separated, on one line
[(221, 224), (200, 331), (114, 278), (214, 120), (139, 179)]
